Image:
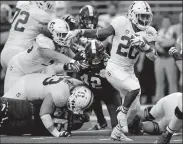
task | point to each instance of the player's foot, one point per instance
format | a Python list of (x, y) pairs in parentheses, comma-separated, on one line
[(164, 138), (99, 126), (122, 120), (118, 135)]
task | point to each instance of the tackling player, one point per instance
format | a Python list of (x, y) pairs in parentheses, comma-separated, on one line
[(30, 19), (176, 120), (41, 54), (55, 91), (94, 77), (124, 54)]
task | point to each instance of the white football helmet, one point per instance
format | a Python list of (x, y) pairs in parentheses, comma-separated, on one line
[(80, 99), (59, 29), (48, 6), (140, 14)]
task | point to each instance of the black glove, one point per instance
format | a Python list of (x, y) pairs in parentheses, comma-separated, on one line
[(64, 134)]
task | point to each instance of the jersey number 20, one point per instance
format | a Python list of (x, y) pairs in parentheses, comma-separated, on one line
[(125, 44), (20, 21)]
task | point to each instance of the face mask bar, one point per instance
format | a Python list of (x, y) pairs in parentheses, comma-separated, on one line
[(144, 19)]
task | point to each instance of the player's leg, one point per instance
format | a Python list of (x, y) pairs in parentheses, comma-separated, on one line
[(7, 54), (13, 74), (171, 72), (97, 108), (122, 81), (112, 99), (174, 125)]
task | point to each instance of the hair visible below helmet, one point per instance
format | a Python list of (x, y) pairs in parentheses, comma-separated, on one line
[(94, 51), (59, 29), (88, 17), (81, 98), (48, 6), (140, 14)]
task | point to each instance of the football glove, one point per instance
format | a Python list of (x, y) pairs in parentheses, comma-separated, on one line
[(140, 43), (172, 51), (64, 134)]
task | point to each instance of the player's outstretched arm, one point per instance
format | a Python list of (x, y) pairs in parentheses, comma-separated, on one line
[(48, 108), (92, 33), (51, 54)]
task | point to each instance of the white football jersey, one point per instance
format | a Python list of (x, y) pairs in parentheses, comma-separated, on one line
[(26, 24), (179, 41), (31, 61), (122, 53), (38, 86)]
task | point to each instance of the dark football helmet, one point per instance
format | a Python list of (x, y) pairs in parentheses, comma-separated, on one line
[(94, 51), (88, 17), (70, 20)]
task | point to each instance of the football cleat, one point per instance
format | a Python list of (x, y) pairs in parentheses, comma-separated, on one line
[(164, 138), (99, 126), (118, 135)]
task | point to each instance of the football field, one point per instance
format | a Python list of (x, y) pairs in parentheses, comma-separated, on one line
[(84, 136)]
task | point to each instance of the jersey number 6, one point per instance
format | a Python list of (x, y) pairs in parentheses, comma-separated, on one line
[(20, 21), (125, 44)]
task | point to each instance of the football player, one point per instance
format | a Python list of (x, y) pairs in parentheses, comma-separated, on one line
[(175, 122), (87, 19), (55, 91), (94, 77), (124, 54), (156, 118), (41, 54), (30, 19)]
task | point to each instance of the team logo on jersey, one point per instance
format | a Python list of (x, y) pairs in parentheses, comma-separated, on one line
[(18, 94), (127, 32)]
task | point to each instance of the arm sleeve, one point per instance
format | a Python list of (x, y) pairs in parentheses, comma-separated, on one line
[(45, 42)]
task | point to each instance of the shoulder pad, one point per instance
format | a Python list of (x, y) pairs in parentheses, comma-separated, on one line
[(118, 21), (40, 15), (44, 42)]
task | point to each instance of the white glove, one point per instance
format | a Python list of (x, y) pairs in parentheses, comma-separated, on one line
[(172, 51), (140, 43), (72, 34)]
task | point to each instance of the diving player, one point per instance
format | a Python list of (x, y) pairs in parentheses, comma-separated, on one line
[(41, 54), (30, 19), (124, 54), (55, 91)]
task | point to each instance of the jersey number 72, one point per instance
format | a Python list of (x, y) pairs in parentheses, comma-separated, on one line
[(21, 21)]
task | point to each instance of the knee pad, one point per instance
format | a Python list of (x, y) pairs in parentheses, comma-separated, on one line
[(178, 113), (152, 128), (147, 114)]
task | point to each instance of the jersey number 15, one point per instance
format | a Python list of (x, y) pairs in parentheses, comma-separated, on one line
[(21, 21)]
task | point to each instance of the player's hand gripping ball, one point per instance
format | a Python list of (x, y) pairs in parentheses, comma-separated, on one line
[(139, 42)]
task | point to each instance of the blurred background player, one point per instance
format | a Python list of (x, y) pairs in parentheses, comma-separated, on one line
[(60, 9), (29, 18), (165, 67)]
